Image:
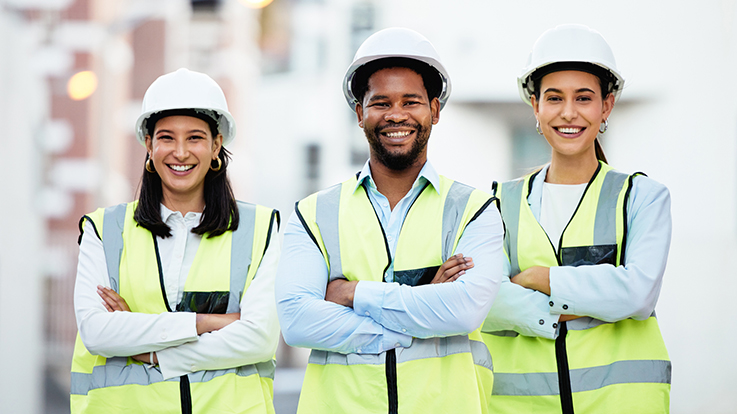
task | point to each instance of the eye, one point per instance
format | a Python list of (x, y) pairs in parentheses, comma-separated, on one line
[(379, 104), (584, 98), (196, 137), (553, 98), (164, 137), (409, 103)]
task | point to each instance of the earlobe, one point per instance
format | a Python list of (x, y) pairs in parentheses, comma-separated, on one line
[(435, 108), (359, 115)]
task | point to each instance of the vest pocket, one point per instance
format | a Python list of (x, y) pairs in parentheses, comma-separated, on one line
[(416, 277), (204, 302), (589, 255)]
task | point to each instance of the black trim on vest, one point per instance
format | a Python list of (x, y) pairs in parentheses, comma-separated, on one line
[(161, 272), (483, 208), (391, 381), (560, 242), (564, 376), (383, 233), (81, 228), (624, 213), (274, 213), (529, 184), (494, 186), (307, 228), (185, 394)]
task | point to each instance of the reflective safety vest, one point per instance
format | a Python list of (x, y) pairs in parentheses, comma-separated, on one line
[(221, 272), (435, 375), (593, 366)]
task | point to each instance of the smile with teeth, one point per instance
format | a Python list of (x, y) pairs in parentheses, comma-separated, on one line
[(181, 168), (398, 134), (569, 130)]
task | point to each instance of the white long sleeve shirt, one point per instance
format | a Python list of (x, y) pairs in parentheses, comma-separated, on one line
[(173, 335)]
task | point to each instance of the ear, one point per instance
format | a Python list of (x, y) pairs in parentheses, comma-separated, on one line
[(359, 114), (435, 109), (217, 143), (607, 106), (149, 145), (534, 103)]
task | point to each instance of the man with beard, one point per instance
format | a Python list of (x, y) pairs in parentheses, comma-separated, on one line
[(388, 276)]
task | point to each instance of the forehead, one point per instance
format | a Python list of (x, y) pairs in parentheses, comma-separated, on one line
[(396, 80), (181, 122), (570, 79)]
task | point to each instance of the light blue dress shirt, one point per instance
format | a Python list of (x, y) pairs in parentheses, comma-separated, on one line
[(603, 292), (386, 315)]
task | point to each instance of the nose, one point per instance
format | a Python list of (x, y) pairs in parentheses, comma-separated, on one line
[(396, 114), (180, 150), (569, 110)]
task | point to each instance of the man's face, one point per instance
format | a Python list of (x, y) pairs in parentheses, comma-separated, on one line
[(397, 117)]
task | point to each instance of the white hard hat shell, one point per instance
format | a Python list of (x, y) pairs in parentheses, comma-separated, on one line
[(186, 89), (396, 42), (569, 43)]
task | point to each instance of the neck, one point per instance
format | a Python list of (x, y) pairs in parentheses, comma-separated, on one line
[(393, 184), (184, 204), (571, 170)]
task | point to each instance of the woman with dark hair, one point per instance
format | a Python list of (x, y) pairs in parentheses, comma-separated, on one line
[(573, 327), (174, 296)]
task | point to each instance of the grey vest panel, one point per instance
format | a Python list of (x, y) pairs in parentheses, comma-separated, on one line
[(420, 349), (112, 236), (327, 216), (583, 379), (241, 249), (117, 372), (511, 194)]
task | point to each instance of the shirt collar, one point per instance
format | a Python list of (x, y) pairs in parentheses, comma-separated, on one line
[(427, 173), (166, 214)]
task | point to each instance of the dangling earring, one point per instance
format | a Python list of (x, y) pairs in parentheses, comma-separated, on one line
[(150, 166), (220, 164), (537, 127), (606, 125)]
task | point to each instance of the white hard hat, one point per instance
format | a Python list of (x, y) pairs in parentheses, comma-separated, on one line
[(396, 42), (569, 43), (186, 89)]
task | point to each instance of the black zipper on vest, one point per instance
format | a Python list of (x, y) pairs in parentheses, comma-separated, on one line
[(390, 363), (185, 394), (564, 375)]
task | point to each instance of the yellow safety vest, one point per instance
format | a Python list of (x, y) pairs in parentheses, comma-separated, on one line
[(435, 375), (593, 366), (221, 272)]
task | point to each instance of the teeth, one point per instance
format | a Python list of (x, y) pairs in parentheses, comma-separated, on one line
[(397, 134), (181, 167), (569, 130)]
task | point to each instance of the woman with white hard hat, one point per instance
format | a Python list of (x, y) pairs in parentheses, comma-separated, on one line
[(174, 296), (574, 329)]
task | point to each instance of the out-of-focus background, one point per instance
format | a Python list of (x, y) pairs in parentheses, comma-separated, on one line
[(73, 74)]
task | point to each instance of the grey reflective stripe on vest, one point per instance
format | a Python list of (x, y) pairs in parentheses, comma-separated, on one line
[(327, 215), (511, 197), (420, 349), (116, 372), (583, 379), (241, 249), (455, 205), (605, 222), (112, 236)]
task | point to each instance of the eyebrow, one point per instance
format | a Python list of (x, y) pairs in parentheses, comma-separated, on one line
[(166, 131), (576, 91), (406, 95)]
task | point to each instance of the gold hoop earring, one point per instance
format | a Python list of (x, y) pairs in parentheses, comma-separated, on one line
[(537, 127), (220, 165), (606, 125), (150, 166)]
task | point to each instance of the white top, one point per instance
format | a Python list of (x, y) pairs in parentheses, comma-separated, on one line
[(559, 202), (173, 335)]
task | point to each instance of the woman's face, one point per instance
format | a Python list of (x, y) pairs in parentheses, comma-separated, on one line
[(182, 148), (570, 110)]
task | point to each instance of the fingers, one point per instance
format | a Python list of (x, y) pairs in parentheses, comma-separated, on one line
[(453, 268), (112, 300)]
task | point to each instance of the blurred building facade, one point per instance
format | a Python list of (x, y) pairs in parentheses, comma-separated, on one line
[(281, 68)]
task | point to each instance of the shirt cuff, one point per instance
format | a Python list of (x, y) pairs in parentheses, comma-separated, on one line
[(368, 300), (169, 364), (392, 340), (558, 304)]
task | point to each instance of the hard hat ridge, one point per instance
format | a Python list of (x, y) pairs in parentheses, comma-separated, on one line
[(186, 89)]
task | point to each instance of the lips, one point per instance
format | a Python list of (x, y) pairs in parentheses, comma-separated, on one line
[(569, 131), (180, 167)]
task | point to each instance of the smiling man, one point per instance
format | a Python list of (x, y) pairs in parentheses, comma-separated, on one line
[(388, 276)]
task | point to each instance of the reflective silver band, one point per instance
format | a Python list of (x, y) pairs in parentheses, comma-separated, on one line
[(583, 379), (510, 196), (420, 349), (116, 372), (241, 248), (112, 236), (453, 209), (605, 221), (327, 216)]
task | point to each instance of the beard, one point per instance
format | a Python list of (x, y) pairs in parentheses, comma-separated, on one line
[(398, 161)]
